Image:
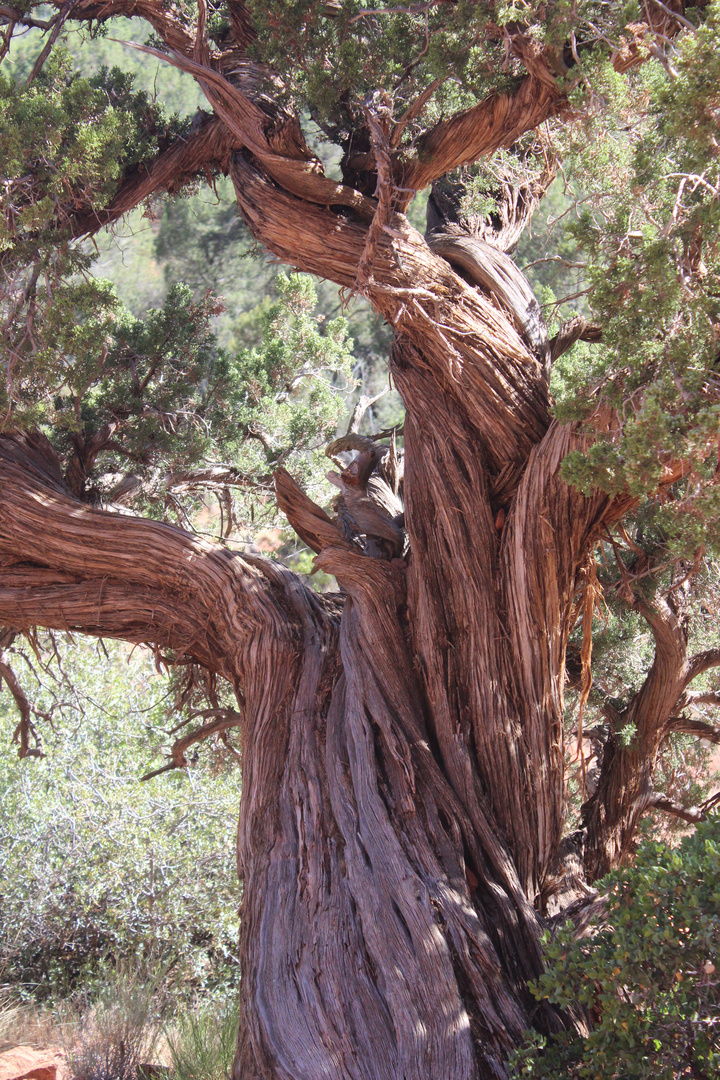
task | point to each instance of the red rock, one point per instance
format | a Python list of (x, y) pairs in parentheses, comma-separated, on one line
[(27, 1063)]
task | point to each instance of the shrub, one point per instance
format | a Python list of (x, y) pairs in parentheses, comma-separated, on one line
[(648, 973), (98, 867), (116, 1034)]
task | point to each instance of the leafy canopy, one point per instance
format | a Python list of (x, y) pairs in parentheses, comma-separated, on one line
[(129, 398), (649, 233), (638, 149)]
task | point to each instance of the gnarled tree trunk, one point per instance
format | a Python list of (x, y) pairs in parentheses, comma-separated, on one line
[(403, 791), (403, 766)]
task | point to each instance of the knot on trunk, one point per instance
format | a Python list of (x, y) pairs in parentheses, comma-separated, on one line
[(370, 508)]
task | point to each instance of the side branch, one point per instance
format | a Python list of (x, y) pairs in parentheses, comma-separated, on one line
[(25, 728), (686, 726), (68, 566), (702, 662), (160, 16), (624, 791), (693, 815), (220, 722), (199, 154), (32, 596), (577, 329), (493, 124)]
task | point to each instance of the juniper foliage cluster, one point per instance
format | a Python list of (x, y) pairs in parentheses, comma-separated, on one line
[(647, 972)]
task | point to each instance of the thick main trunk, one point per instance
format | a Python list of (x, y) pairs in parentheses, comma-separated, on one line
[(403, 780), (403, 783), (385, 933), (407, 802), (403, 770), (402, 803)]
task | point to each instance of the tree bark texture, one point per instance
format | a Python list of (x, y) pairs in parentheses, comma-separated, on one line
[(403, 762), (403, 788)]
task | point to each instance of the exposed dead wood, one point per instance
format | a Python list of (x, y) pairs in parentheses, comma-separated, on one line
[(484, 265), (577, 329)]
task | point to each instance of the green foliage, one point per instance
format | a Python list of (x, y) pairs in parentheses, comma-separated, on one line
[(332, 63), (202, 241), (161, 394), (65, 141), (202, 1042), (155, 393), (101, 47), (97, 867), (623, 652), (646, 973), (288, 394), (647, 227), (94, 366)]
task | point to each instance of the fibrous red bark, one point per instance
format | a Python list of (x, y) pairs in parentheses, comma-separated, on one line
[(403, 803)]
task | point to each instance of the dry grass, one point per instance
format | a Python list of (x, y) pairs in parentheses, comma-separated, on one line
[(28, 1025), (112, 1038), (120, 1030)]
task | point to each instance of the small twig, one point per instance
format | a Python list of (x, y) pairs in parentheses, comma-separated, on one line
[(565, 299), (414, 110), (416, 9), (57, 25), (14, 16), (558, 259), (673, 15), (223, 720), (398, 431)]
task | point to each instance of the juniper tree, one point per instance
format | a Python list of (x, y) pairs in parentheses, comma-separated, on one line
[(404, 831)]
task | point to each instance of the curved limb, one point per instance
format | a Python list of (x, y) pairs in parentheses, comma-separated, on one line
[(624, 791), (198, 154), (67, 565)]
